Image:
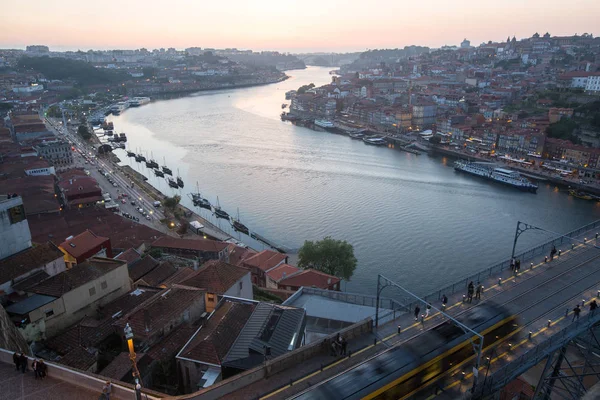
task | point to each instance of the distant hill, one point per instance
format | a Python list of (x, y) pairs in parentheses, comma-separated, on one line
[(272, 59), (64, 69)]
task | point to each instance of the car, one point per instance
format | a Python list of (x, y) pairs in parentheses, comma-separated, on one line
[(140, 210), (124, 195), (148, 217), (133, 203), (114, 184), (126, 215), (123, 201)]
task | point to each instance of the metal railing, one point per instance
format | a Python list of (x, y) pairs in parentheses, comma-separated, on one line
[(355, 298), (527, 255), (532, 357)]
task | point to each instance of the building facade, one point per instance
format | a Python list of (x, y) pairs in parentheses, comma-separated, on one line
[(14, 228)]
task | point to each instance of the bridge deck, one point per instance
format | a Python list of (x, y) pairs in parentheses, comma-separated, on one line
[(540, 292)]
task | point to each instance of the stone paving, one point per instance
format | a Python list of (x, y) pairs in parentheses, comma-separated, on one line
[(15, 385)]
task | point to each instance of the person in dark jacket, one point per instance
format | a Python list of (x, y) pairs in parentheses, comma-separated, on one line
[(417, 311), (23, 362), (17, 361), (43, 368), (34, 367)]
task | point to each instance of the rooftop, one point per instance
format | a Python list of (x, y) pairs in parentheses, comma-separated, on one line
[(213, 340), (28, 260), (37, 193), (163, 271), (216, 276), (282, 271), (73, 278), (129, 256), (310, 277), (86, 241), (190, 244), (265, 260), (29, 304), (140, 268)]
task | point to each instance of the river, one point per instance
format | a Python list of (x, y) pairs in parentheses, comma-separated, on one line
[(411, 218)]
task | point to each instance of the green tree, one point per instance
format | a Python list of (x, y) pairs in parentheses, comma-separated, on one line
[(563, 129), (84, 132), (435, 139), (172, 202), (334, 257)]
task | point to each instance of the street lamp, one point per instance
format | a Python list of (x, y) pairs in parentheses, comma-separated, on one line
[(132, 356)]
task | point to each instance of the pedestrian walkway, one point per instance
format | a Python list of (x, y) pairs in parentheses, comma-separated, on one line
[(18, 386)]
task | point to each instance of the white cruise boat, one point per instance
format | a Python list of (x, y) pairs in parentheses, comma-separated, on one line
[(323, 123), (119, 107), (491, 172), (139, 101)]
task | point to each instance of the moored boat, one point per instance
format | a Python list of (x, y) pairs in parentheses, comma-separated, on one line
[(375, 141), (219, 212), (580, 195), (172, 183), (237, 225), (501, 175), (179, 180), (166, 169), (158, 172)]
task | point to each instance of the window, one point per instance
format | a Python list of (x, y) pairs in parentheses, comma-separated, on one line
[(16, 214), (211, 298), (49, 313), (241, 286), (103, 285), (92, 291)]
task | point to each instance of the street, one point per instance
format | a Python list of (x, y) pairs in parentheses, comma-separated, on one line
[(84, 157)]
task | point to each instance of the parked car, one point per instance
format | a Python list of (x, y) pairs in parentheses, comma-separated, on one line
[(133, 203), (140, 210), (123, 201)]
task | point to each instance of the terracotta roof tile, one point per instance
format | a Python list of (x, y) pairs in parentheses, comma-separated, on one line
[(83, 243), (265, 260), (28, 260), (309, 278), (212, 341), (120, 366), (159, 274), (190, 244), (142, 267), (180, 276), (216, 276), (79, 358), (70, 279), (281, 271), (130, 256), (168, 347)]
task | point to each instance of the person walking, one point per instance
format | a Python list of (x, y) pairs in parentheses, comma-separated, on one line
[(334, 348), (23, 362), (344, 346), (444, 302), (552, 252), (417, 310), (576, 312), (107, 389), (478, 291), (512, 264), (427, 310), (34, 367), (470, 291), (43, 368), (593, 306), (16, 360)]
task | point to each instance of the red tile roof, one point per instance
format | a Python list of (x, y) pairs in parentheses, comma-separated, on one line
[(120, 366), (75, 277), (237, 254), (309, 278), (212, 341), (28, 260), (281, 271), (265, 260), (159, 274), (190, 244), (161, 309), (142, 267), (85, 242), (129, 256), (168, 347), (37, 192), (180, 276), (216, 276), (78, 358)]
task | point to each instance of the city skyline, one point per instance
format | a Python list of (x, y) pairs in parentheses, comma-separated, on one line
[(308, 26)]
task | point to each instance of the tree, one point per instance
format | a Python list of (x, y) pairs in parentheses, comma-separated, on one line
[(172, 202), (334, 257), (84, 132), (435, 139)]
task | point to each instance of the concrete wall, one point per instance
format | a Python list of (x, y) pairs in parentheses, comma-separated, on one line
[(74, 377), (223, 388), (245, 292), (13, 237)]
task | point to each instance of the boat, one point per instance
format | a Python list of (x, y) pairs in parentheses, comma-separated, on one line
[(172, 183), (179, 180), (238, 226), (108, 133), (323, 123), (119, 107), (166, 169), (122, 137), (219, 212), (130, 153), (283, 105), (375, 141), (158, 172), (501, 175), (357, 136), (140, 158), (138, 101), (204, 203), (151, 163), (580, 195)]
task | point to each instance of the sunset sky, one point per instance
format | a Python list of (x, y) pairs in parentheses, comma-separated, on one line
[(288, 25)]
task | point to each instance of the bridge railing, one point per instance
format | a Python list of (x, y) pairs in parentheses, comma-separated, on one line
[(518, 366), (544, 248)]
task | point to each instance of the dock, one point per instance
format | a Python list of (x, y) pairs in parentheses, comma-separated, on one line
[(279, 248)]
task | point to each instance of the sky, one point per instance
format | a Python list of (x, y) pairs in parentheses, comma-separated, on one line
[(285, 25)]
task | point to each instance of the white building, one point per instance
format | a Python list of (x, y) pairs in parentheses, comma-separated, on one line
[(593, 83), (14, 229)]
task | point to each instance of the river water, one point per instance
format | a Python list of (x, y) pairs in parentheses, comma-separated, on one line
[(411, 218)]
